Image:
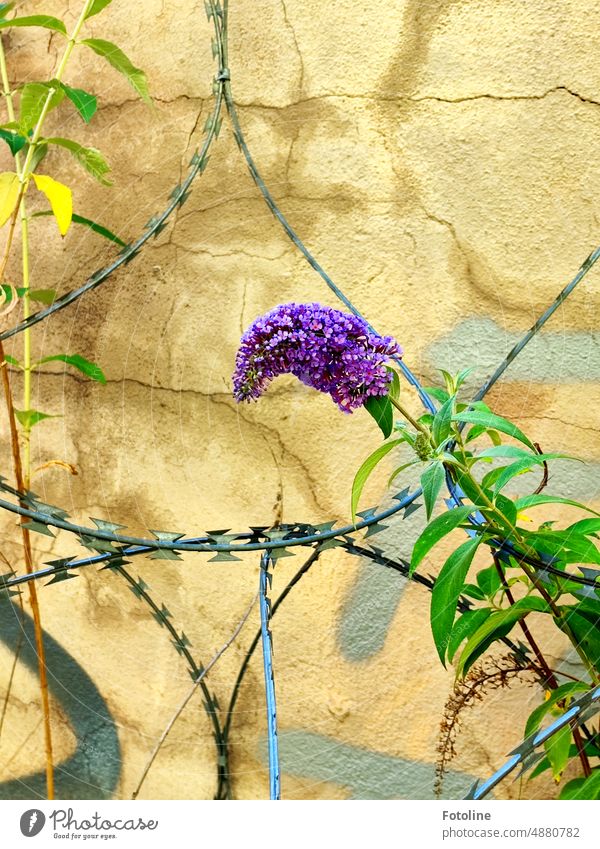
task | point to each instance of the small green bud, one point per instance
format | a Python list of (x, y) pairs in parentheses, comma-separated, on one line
[(423, 447)]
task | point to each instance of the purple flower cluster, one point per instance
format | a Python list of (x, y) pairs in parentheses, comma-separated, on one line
[(330, 350)]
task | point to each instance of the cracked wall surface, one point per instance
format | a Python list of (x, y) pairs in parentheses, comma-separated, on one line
[(440, 160)]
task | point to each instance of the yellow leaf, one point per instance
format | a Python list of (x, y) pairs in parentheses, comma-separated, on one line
[(61, 200), (9, 192)]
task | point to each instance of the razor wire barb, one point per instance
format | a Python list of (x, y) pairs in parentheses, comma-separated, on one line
[(111, 546)]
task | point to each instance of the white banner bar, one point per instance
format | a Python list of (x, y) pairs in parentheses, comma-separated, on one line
[(310, 825)]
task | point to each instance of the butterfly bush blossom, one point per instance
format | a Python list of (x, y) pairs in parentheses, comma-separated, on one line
[(330, 350)]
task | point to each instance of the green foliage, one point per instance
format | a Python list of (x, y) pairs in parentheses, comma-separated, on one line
[(33, 100), (493, 422), (97, 6), (91, 370), (115, 56), (85, 103), (46, 21), (446, 592), (15, 141), (436, 530), (29, 418), (380, 408), (432, 481), (89, 157), (365, 470), (499, 623), (583, 788)]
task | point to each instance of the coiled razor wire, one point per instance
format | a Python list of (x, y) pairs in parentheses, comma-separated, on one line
[(112, 547), (526, 756)]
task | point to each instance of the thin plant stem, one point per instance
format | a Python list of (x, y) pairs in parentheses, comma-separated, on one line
[(551, 679), (420, 427), (189, 695)]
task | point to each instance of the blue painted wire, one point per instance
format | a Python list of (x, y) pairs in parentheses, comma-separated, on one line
[(267, 649), (516, 757)]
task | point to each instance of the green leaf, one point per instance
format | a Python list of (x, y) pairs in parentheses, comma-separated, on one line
[(583, 788), (464, 626), (438, 393), (87, 222), (46, 21), (462, 376), (85, 103), (15, 141), (488, 581), (9, 193), (436, 530), (365, 470), (535, 500), (91, 370), (401, 468), (43, 296), (432, 481), (29, 418), (442, 422), (557, 749), (96, 7), (89, 157), (380, 407), (566, 545), (491, 421), (12, 361), (5, 9), (585, 526), (500, 623), (394, 390), (446, 591), (115, 56), (61, 200), (507, 508), (535, 717), (584, 625), (33, 98), (525, 465)]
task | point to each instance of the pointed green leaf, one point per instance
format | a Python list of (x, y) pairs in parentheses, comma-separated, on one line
[(15, 141), (557, 749), (491, 421), (535, 500), (86, 222), (365, 470), (464, 626), (33, 98), (85, 103), (96, 7), (436, 530), (29, 418), (583, 788), (432, 480), (90, 370), (46, 21), (500, 622), (442, 421), (535, 717), (115, 56), (446, 591), (380, 407), (89, 157)]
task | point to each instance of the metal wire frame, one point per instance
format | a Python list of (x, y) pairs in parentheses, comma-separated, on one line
[(525, 754)]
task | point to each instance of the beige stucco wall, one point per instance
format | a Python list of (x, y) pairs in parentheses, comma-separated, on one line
[(440, 159)]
